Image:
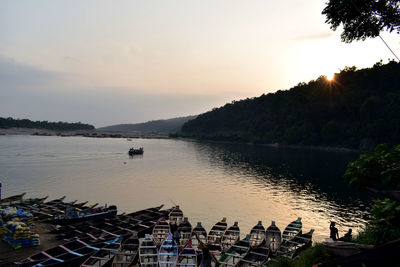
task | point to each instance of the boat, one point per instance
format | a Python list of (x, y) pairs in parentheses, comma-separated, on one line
[(293, 229), (343, 249), (168, 254), (292, 247), (132, 151), (230, 237), (148, 252), (273, 237), (72, 215), (161, 231), (127, 254), (257, 235), (187, 256), (24, 202), (104, 256), (255, 257), (12, 198), (215, 235), (235, 253), (185, 232), (176, 216), (199, 234)]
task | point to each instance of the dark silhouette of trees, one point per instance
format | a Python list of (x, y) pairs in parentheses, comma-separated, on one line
[(56, 126), (363, 19), (360, 107)]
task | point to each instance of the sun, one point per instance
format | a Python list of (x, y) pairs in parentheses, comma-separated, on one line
[(330, 77)]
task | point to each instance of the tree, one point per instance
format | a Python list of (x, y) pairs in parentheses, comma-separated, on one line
[(363, 19)]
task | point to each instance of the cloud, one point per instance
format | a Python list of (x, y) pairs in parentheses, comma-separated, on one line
[(14, 74), (315, 36)]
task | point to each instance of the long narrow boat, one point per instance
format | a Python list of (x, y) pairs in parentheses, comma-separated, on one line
[(74, 216), (199, 234), (104, 256), (293, 229), (255, 257), (168, 254), (235, 253), (185, 231), (188, 256), (257, 235), (230, 237), (25, 202), (12, 198), (127, 254), (273, 237), (215, 235), (176, 216), (148, 252), (292, 247), (161, 231)]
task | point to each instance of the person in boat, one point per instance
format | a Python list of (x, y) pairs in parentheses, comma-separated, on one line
[(334, 231), (175, 233), (347, 236)]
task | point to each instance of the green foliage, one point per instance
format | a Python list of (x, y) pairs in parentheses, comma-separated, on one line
[(380, 169), (358, 105), (307, 258), (363, 19), (58, 126)]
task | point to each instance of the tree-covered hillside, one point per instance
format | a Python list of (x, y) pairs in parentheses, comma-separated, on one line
[(357, 107), (56, 126)]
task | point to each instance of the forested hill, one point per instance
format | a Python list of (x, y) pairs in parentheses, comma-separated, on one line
[(156, 126), (357, 107), (56, 126)]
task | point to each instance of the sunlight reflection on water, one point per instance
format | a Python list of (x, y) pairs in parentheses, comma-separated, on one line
[(210, 181)]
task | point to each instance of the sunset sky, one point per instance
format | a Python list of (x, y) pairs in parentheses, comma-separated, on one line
[(109, 62)]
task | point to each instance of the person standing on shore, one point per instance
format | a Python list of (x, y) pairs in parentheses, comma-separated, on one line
[(334, 231)]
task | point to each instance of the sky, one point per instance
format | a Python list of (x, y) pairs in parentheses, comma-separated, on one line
[(110, 62)]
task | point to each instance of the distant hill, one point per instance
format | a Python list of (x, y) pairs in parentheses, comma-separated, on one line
[(359, 108), (55, 126), (158, 126)]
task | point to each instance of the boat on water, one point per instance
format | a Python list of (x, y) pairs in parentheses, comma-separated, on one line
[(215, 235), (72, 215), (185, 232), (292, 247), (343, 249), (104, 256), (148, 252), (176, 216), (187, 256), (132, 151), (273, 237), (168, 254), (255, 257), (293, 229), (257, 235), (235, 253), (161, 231), (12, 198), (230, 237), (127, 254)]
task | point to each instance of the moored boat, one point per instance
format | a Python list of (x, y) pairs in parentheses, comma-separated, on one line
[(161, 231), (185, 231), (72, 215), (255, 257), (12, 198), (187, 256), (257, 235), (273, 237), (176, 216), (235, 253), (292, 247), (127, 254), (168, 254), (215, 235), (104, 256), (230, 237), (132, 151), (293, 229), (343, 249), (148, 252)]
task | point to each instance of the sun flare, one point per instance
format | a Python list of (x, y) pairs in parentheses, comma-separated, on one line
[(330, 77)]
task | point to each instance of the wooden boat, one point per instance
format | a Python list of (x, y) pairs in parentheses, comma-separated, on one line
[(176, 216), (161, 231), (255, 257), (188, 256), (24, 202), (12, 198), (127, 255), (132, 151), (215, 235), (273, 237), (230, 237), (199, 234), (293, 229), (168, 254), (235, 253), (74, 216), (292, 247), (185, 231), (343, 249), (257, 235), (148, 252), (104, 256)]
